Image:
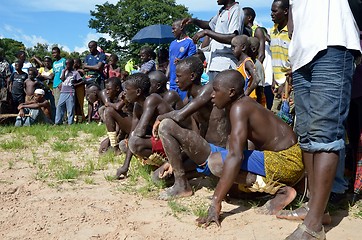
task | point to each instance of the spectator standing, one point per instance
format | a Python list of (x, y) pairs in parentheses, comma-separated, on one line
[(180, 48), (225, 25), (58, 66), (279, 44), (323, 66)]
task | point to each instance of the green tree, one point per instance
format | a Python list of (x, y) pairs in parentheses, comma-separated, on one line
[(125, 18), (11, 47), (40, 50)]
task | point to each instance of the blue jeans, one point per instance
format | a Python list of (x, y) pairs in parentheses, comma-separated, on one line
[(322, 96), (340, 184), (65, 103), (36, 116)]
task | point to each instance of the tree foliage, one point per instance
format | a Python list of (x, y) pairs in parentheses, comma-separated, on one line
[(124, 19), (11, 47)]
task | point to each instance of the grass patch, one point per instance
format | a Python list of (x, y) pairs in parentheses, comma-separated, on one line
[(177, 208), (11, 164), (13, 144), (89, 180), (200, 210), (356, 209), (63, 146)]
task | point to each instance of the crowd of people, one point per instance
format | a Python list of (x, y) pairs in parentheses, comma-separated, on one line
[(260, 109)]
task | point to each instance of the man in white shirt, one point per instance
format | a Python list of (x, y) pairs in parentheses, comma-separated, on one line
[(324, 45)]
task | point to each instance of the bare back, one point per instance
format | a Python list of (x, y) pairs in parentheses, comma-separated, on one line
[(261, 126)]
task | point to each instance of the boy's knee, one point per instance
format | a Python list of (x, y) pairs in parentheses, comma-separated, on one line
[(133, 144), (215, 164), (166, 126)]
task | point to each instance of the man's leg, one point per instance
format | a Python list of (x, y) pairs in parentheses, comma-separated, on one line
[(70, 104), (61, 108), (176, 139)]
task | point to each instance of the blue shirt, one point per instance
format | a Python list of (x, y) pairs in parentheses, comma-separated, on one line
[(58, 67), (93, 60), (179, 49)]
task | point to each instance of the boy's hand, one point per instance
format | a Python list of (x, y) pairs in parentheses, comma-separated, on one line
[(213, 215), (155, 128), (21, 113), (165, 171)]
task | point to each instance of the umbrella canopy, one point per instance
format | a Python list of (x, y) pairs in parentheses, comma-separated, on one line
[(156, 34)]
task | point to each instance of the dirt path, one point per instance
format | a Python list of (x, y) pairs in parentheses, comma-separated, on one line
[(40, 209)]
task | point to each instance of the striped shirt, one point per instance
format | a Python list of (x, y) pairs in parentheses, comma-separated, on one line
[(279, 45)]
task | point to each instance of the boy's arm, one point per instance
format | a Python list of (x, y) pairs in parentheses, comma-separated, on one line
[(233, 161), (34, 105), (149, 110), (259, 33), (124, 169), (191, 107), (250, 68), (62, 75)]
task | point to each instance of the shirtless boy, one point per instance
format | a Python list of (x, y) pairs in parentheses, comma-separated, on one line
[(211, 125), (146, 109), (159, 85), (272, 168), (115, 116), (31, 83)]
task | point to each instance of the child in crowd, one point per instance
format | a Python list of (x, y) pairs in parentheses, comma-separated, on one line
[(112, 69), (240, 46), (204, 77), (70, 78), (253, 53), (158, 82), (17, 86), (31, 84), (79, 93), (145, 111), (147, 58), (45, 73)]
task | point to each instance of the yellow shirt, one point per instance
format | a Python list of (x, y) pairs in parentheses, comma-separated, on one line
[(279, 45)]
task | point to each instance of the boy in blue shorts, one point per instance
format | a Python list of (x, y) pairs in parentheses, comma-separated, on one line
[(276, 165)]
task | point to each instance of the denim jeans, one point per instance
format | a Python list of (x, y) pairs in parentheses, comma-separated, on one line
[(36, 116), (322, 96), (65, 103)]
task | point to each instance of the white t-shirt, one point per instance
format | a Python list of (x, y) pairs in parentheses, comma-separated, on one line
[(227, 21), (319, 24)]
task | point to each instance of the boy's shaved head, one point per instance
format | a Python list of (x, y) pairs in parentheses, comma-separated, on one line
[(194, 64), (254, 43), (231, 79), (158, 76), (240, 40), (141, 81)]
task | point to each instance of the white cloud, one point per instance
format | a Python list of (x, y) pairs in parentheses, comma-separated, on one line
[(88, 38)]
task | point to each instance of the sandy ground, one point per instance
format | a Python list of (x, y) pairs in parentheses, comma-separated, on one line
[(35, 209)]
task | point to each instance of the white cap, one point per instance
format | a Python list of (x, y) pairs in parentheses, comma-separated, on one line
[(39, 91)]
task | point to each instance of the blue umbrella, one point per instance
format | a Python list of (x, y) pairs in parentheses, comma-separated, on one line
[(156, 34)]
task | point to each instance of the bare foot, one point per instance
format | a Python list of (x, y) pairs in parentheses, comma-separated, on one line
[(300, 214), (283, 197), (303, 232), (122, 172), (180, 189)]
